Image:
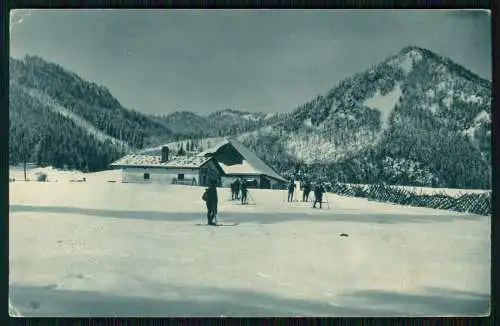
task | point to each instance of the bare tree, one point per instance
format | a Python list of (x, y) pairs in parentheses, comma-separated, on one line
[(26, 141)]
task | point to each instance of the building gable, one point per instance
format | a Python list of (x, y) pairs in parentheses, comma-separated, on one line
[(234, 158), (228, 157)]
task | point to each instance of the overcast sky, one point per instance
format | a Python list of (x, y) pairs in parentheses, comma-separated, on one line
[(160, 61)]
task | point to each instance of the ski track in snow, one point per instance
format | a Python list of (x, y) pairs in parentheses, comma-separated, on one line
[(113, 249)]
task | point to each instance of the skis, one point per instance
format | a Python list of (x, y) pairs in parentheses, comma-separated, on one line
[(217, 224)]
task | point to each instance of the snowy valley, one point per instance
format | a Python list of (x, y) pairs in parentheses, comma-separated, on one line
[(250, 163), (115, 249), (386, 125), (403, 111)]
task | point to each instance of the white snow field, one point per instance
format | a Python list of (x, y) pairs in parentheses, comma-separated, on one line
[(97, 248)]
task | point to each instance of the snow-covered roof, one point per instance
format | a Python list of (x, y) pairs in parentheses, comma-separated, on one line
[(251, 165), (214, 148), (255, 161), (188, 162), (155, 161), (243, 168), (139, 160)]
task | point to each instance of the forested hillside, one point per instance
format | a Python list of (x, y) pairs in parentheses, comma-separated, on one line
[(92, 127), (221, 123), (40, 135), (415, 119)]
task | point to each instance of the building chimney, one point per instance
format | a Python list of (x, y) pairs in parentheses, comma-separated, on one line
[(164, 154)]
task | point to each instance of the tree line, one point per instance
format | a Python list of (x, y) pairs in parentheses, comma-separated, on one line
[(38, 134)]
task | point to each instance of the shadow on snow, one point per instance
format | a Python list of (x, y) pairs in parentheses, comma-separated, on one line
[(213, 301), (251, 217)]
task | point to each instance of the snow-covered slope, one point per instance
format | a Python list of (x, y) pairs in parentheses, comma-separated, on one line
[(176, 145), (407, 59), (57, 175), (79, 121), (384, 103), (414, 107), (483, 118), (65, 120), (200, 144), (223, 122), (112, 249)]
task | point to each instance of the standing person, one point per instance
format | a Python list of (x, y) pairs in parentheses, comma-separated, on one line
[(306, 190), (237, 185), (211, 199), (233, 190), (319, 190), (291, 189), (244, 192)]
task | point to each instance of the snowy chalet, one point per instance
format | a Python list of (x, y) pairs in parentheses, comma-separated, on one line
[(224, 163)]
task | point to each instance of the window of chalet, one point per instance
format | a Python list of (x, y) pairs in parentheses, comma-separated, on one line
[(146, 176), (180, 176)]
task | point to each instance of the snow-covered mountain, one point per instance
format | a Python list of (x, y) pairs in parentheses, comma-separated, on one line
[(57, 118), (417, 118), (78, 120), (415, 109), (220, 123)]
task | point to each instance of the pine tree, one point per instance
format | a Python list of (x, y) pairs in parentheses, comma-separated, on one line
[(181, 151)]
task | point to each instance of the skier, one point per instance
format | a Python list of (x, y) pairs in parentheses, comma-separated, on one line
[(211, 199), (244, 192), (237, 185), (319, 190), (233, 190), (306, 191), (291, 189)]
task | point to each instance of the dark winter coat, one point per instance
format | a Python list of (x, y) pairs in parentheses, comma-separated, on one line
[(291, 186), (319, 191), (211, 196), (243, 187)]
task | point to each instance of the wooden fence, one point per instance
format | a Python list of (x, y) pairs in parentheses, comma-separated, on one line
[(470, 203)]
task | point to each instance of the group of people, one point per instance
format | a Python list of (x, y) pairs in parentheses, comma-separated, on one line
[(319, 190), (239, 186)]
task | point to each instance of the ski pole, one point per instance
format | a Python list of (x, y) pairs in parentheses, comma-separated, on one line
[(327, 202), (251, 197)]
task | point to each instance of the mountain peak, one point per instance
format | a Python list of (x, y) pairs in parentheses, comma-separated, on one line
[(231, 111), (414, 54), (413, 48), (408, 57)]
